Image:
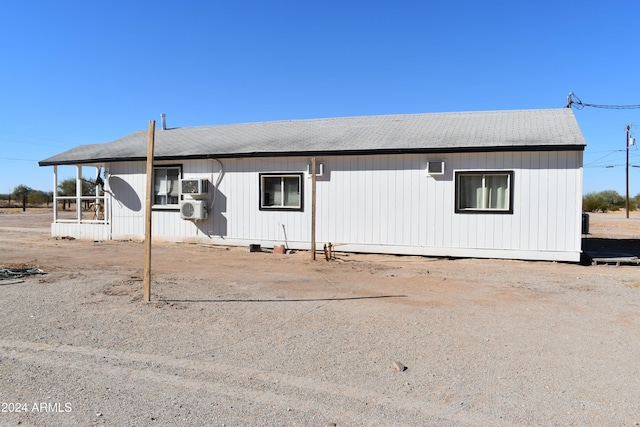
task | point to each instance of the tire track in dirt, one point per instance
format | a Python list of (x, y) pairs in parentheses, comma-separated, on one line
[(336, 401)]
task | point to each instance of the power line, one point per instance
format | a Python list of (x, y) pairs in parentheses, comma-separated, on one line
[(40, 144), (34, 137), (606, 151), (617, 165), (574, 101), (600, 159), (19, 160)]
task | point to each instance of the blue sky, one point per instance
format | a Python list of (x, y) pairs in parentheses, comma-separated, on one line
[(78, 72)]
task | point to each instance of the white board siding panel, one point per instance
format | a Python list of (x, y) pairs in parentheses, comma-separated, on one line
[(553, 179), (125, 183), (240, 187), (543, 197), (376, 203), (81, 231)]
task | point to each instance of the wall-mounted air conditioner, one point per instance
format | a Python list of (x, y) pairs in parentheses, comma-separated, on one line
[(194, 210), (194, 187), (435, 167)]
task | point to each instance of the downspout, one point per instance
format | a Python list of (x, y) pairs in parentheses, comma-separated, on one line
[(108, 201)]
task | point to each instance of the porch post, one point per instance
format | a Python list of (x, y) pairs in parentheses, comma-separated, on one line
[(97, 201), (79, 193), (55, 193)]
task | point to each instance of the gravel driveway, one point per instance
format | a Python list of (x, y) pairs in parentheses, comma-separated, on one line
[(236, 338)]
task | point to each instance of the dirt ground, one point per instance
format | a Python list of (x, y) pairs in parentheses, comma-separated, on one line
[(239, 338)]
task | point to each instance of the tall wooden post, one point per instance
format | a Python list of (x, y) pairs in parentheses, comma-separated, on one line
[(79, 193), (149, 199), (96, 202), (313, 208), (627, 198), (55, 193)]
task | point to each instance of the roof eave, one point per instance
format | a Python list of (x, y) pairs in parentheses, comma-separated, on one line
[(318, 153)]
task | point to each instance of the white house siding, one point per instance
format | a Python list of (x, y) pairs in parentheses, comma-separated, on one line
[(80, 231), (377, 203), (388, 204), (126, 186)]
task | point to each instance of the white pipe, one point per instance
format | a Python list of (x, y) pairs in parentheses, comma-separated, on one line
[(215, 187)]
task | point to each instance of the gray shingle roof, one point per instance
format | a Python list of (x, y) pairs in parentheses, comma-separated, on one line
[(551, 129)]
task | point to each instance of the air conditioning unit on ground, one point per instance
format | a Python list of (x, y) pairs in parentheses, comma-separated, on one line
[(194, 187), (194, 210)]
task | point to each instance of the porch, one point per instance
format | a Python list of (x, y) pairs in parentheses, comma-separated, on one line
[(90, 217)]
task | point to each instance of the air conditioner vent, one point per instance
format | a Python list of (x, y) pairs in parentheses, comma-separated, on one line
[(194, 187), (319, 169), (194, 210), (435, 167)]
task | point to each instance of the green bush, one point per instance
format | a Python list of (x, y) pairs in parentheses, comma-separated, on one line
[(593, 202), (38, 198), (608, 200)]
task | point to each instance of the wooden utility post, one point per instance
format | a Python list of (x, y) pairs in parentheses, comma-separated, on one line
[(149, 199), (628, 141), (313, 208)]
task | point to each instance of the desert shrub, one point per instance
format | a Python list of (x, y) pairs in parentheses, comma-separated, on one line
[(5, 199), (608, 200), (38, 198), (594, 202), (21, 192), (613, 199)]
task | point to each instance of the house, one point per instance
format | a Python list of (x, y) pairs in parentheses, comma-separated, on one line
[(491, 184)]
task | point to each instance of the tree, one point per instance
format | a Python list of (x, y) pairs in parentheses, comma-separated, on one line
[(613, 199), (608, 200), (593, 202), (635, 202), (22, 192), (38, 198)]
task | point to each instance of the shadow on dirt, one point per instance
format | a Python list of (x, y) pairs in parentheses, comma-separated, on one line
[(597, 247), (630, 246), (283, 299)]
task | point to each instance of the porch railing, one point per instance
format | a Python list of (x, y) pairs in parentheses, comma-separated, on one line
[(87, 210)]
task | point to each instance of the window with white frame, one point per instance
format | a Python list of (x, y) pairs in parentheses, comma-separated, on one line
[(484, 192), (166, 189), (281, 191)]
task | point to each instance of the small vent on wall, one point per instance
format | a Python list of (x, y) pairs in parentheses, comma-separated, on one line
[(435, 167), (319, 169)]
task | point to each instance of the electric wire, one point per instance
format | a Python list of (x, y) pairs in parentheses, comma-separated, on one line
[(574, 101), (612, 166), (17, 160), (602, 158), (65, 143)]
